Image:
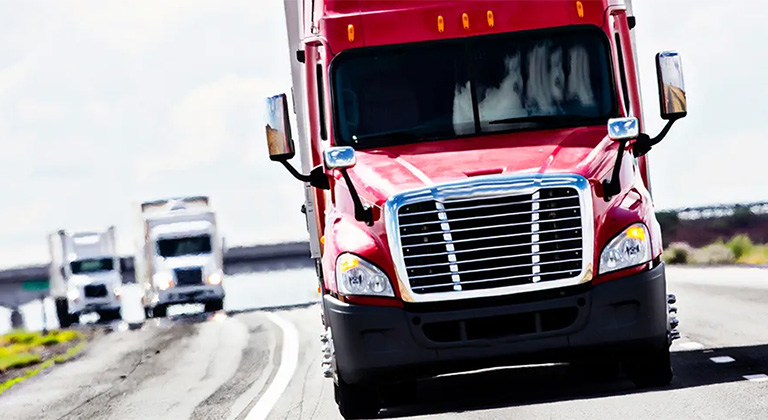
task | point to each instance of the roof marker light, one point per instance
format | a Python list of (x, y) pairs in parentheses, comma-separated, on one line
[(465, 20), (440, 24), (490, 18), (351, 33), (580, 9)]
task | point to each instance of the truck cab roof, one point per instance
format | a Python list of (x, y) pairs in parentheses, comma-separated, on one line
[(358, 23)]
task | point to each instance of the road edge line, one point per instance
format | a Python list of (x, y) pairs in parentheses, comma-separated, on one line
[(289, 358)]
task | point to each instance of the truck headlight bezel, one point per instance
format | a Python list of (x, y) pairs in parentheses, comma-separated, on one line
[(163, 280), (630, 248), (214, 279), (357, 277)]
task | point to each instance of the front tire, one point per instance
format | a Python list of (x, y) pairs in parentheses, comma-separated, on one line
[(214, 305), (356, 401), (160, 311), (62, 313), (653, 369)]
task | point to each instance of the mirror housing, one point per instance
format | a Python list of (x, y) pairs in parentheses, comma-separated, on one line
[(339, 157), (669, 72), (279, 141), (623, 128)]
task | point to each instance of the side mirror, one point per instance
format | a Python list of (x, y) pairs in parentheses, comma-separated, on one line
[(669, 72), (340, 157), (623, 128), (279, 139)]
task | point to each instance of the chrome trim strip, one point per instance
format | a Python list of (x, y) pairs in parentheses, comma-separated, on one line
[(489, 205), (535, 221), (464, 219), (476, 187), (480, 270), (495, 258)]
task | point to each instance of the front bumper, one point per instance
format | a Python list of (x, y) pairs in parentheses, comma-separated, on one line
[(190, 294), (618, 318), (85, 305)]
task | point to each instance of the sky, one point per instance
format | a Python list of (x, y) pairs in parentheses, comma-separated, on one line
[(107, 103)]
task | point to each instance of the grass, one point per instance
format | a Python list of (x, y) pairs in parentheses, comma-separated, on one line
[(18, 360), (20, 349)]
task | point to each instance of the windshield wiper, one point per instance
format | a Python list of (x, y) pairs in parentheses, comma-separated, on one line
[(394, 135), (558, 119)]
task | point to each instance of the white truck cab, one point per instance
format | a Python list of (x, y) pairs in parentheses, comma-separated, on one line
[(180, 258), (85, 275)]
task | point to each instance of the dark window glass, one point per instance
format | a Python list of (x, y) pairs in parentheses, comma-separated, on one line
[(184, 246), (427, 91), (91, 265)]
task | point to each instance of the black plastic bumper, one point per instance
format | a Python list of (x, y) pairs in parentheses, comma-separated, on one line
[(619, 317)]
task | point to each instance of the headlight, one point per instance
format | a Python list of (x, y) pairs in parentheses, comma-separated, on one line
[(73, 294), (163, 280), (632, 247), (356, 276), (214, 279)]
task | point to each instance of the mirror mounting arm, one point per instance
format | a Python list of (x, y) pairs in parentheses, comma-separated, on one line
[(363, 213), (613, 187), (317, 178), (644, 142)]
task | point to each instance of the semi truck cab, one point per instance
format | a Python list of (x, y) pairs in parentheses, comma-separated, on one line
[(184, 258), (85, 275), (478, 192)]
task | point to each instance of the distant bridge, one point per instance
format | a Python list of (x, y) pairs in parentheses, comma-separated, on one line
[(23, 284), (718, 210)]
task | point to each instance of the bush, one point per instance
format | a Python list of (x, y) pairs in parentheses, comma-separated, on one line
[(740, 245), (716, 253), (677, 253), (758, 256)]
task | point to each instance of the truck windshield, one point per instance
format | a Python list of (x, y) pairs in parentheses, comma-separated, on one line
[(177, 247), (494, 83), (91, 265)]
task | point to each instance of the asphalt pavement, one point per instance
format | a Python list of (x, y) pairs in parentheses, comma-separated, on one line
[(252, 363)]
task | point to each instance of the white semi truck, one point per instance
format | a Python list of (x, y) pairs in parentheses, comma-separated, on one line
[(180, 256), (85, 274)]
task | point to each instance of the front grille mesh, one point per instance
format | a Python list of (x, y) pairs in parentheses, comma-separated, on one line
[(491, 241), (189, 276)]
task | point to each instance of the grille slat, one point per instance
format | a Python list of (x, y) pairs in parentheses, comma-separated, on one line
[(490, 205), (493, 240), (189, 276)]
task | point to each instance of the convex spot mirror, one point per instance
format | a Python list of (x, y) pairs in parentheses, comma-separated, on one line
[(623, 128), (340, 157), (279, 139), (669, 72)]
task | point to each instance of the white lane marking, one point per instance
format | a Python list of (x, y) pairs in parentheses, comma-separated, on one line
[(722, 359), (691, 345), (759, 377), (288, 360)]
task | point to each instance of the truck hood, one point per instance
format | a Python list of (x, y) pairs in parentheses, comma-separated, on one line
[(380, 173), (94, 278), (205, 260)]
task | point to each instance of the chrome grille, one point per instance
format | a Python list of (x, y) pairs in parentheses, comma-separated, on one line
[(189, 276), (460, 241)]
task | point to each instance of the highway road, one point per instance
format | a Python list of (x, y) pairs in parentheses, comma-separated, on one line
[(252, 363)]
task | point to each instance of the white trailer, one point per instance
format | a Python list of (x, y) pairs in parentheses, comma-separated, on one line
[(85, 274), (180, 255)]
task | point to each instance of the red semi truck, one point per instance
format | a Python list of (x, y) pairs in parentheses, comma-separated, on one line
[(477, 187)]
